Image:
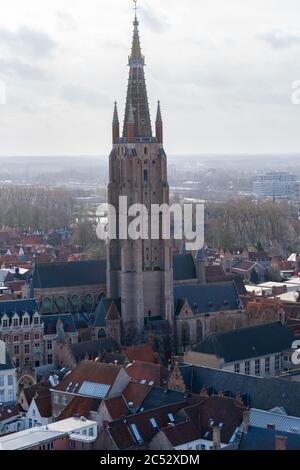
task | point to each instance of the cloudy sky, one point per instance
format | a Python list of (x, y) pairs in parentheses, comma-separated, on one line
[(223, 71)]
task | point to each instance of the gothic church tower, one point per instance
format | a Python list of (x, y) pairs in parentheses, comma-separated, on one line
[(139, 272)]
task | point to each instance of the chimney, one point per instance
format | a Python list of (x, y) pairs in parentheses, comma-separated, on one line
[(216, 437), (246, 421), (2, 353), (281, 443)]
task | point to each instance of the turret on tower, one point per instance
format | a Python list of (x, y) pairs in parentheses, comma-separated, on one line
[(115, 125)]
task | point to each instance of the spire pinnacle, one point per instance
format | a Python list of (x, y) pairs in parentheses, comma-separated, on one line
[(116, 116), (158, 114)]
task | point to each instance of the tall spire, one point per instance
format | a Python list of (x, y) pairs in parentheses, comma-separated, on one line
[(136, 91)]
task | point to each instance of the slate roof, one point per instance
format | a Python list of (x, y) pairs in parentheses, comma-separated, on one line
[(265, 439), (10, 307), (249, 342), (50, 322), (257, 392), (205, 298), (80, 273), (183, 267), (102, 310), (93, 347), (282, 422), (158, 397)]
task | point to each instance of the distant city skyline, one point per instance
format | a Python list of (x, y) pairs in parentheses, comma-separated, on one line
[(222, 70)]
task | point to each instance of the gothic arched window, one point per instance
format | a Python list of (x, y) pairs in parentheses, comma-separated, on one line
[(186, 334)]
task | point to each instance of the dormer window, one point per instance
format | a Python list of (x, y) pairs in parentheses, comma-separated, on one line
[(26, 321), (15, 322), (36, 320), (5, 323)]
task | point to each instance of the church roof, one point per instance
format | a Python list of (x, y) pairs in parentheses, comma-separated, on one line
[(246, 343), (50, 323), (103, 309), (205, 298), (183, 267), (80, 273), (10, 307)]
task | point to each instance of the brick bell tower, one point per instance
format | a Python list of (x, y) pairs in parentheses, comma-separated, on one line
[(139, 272)]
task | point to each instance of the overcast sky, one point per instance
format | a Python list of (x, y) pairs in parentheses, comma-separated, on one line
[(223, 70)]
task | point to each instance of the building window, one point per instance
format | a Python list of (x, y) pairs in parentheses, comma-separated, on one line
[(49, 359), (247, 368), (16, 339), (26, 321), (26, 348), (36, 320), (1, 380), (277, 363), (72, 444), (146, 176), (5, 323), (50, 446), (37, 336), (49, 344), (15, 322), (257, 366), (16, 349), (267, 365), (64, 400), (37, 345), (26, 337), (1, 396), (17, 362), (10, 395), (237, 368), (203, 447), (10, 380), (91, 431)]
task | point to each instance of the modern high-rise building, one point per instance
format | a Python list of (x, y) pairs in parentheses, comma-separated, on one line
[(276, 185), (139, 272)]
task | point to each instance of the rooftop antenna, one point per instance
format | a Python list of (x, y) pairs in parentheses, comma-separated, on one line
[(135, 6)]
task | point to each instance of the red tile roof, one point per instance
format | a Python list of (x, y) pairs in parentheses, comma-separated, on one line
[(145, 372), (43, 404), (143, 352), (88, 371), (136, 393), (117, 407), (80, 406)]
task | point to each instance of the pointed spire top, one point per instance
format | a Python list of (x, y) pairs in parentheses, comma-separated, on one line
[(136, 51), (158, 115), (116, 116), (131, 119)]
